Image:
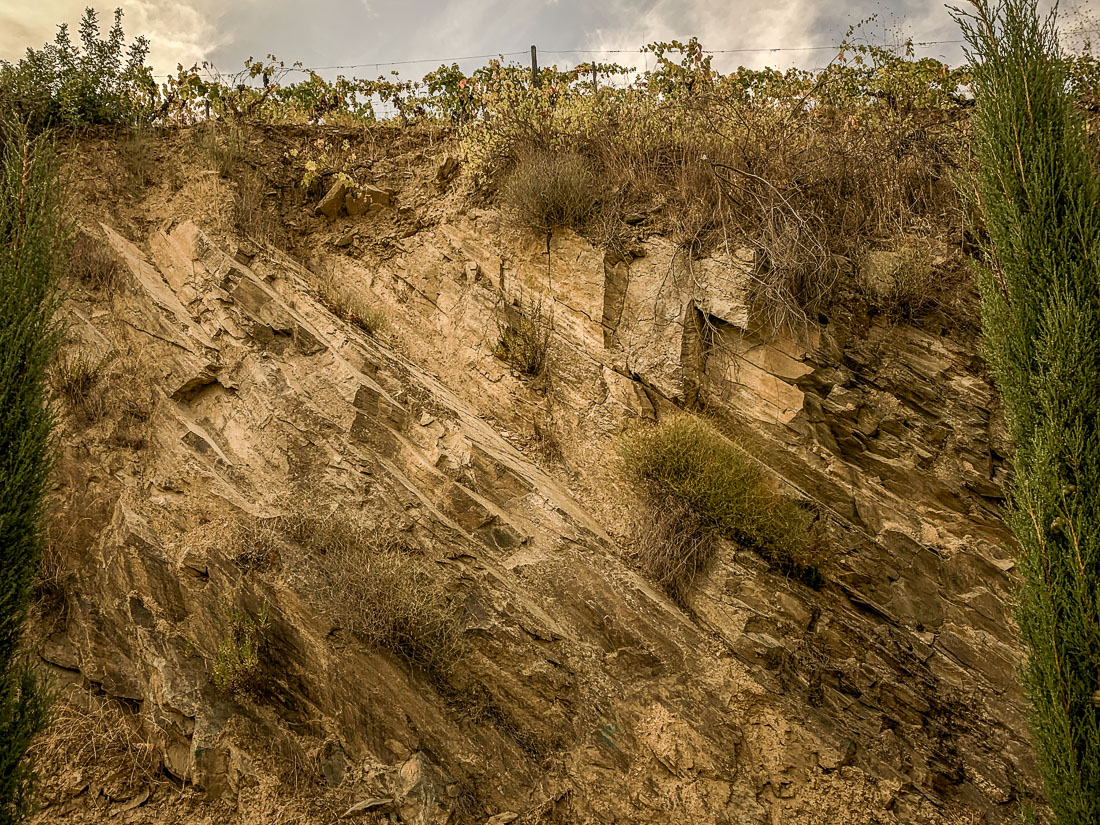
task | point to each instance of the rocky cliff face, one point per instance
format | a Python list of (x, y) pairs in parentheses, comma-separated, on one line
[(582, 694)]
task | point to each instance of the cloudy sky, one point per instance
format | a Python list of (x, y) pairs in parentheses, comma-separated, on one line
[(346, 32)]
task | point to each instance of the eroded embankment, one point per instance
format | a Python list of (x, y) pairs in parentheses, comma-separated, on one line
[(578, 692)]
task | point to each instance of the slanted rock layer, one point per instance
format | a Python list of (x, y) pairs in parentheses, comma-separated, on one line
[(583, 694)]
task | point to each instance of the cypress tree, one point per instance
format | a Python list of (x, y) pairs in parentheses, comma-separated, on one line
[(1040, 197), (33, 237)]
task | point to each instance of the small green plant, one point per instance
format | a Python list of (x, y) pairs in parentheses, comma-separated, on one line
[(329, 163), (545, 190), (523, 338), (705, 485), (238, 665), (93, 263)]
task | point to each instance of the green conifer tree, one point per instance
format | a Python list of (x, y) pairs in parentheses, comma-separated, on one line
[(1040, 198), (33, 238)]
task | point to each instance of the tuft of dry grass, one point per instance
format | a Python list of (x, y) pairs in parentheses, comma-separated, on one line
[(79, 378), (93, 263), (379, 589), (546, 190), (51, 584), (223, 147), (252, 215), (135, 153), (905, 284), (77, 515), (93, 739), (348, 304), (103, 388)]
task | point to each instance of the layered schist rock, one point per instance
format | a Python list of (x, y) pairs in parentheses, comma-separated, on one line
[(909, 655), (887, 696)]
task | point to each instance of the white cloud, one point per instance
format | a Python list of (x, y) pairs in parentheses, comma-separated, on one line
[(357, 31), (769, 32), (179, 32), (23, 24)]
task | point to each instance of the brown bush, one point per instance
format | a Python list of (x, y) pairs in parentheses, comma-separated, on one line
[(808, 188), (93, 263), (523, 338), (546, 190), (377, 588), (255, 543), (672, 546)]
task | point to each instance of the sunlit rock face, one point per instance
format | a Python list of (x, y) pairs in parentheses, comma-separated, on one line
[(582, 693)]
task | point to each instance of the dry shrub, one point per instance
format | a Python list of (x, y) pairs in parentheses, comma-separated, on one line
[(255, 543), (93, 739), (696, 189), (253, 217), (546, 190), (795, 277), (670, 189), (93, 263), (223, 147), (672, 545), (686, 466), (906, 283), (523, 338), (379, 589)]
